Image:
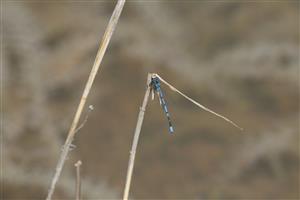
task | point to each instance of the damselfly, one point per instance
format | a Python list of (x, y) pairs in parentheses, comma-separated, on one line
[(156, 87)]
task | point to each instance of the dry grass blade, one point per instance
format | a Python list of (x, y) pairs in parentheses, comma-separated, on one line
[(198, 104), (103, 46)]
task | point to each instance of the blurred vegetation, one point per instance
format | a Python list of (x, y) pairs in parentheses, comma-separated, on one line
[(239, 58)]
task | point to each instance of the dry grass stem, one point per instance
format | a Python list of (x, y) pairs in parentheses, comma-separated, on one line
[(136, 138), (78, 180), (91, 108), (103, 46)]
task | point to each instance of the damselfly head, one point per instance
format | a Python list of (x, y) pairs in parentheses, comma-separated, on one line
[(155, 83)]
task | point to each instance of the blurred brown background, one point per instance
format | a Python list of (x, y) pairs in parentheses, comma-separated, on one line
[(239, 58)]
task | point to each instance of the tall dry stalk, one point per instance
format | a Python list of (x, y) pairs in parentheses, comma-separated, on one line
[(103, 46), (136, 138)]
